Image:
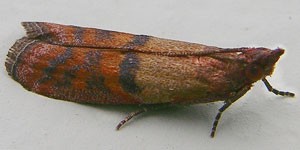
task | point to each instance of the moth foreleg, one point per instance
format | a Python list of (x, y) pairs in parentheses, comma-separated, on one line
[(275, 91)]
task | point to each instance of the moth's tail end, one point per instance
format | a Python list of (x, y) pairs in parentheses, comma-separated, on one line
[(14, 52), (33, 29)]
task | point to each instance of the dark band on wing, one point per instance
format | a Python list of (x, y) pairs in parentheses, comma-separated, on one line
[(93, 58), (67, 79), (61, 59), (128, 69), (138, 40), (78, 35), (96, 81), (102, 35)]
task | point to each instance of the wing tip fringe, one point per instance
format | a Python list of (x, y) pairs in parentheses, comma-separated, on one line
[(33, 29), (14, 52)]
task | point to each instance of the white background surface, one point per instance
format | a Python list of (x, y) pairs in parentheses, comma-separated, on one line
[(259, 120)]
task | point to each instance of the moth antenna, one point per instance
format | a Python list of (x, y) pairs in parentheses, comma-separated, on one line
[(275, 91)]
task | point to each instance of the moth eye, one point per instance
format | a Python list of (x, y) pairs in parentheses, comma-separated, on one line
[(254, 72)]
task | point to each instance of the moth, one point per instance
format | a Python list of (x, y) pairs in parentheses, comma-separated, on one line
[(88, 65)]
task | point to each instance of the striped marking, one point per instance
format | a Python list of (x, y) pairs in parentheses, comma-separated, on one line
[(78, 35), (61, 59), (96, 80), (128, 70), (92, 58), (103, 35), (67, 79), (138, 40), (110, 69)]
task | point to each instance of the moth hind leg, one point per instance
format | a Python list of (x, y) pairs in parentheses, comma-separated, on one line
[(146, 108), (275, 91), (130, 116)]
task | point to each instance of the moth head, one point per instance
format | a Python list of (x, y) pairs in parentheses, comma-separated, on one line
[(261, 62)]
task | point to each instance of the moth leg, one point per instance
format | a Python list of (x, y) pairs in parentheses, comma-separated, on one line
[(130, 116), (217, 118), (140, 111), (275, 91)]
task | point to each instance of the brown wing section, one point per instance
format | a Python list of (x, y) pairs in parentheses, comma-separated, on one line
[(75, 36)]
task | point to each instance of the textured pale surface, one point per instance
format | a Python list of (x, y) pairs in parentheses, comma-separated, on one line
[(260, 120)]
